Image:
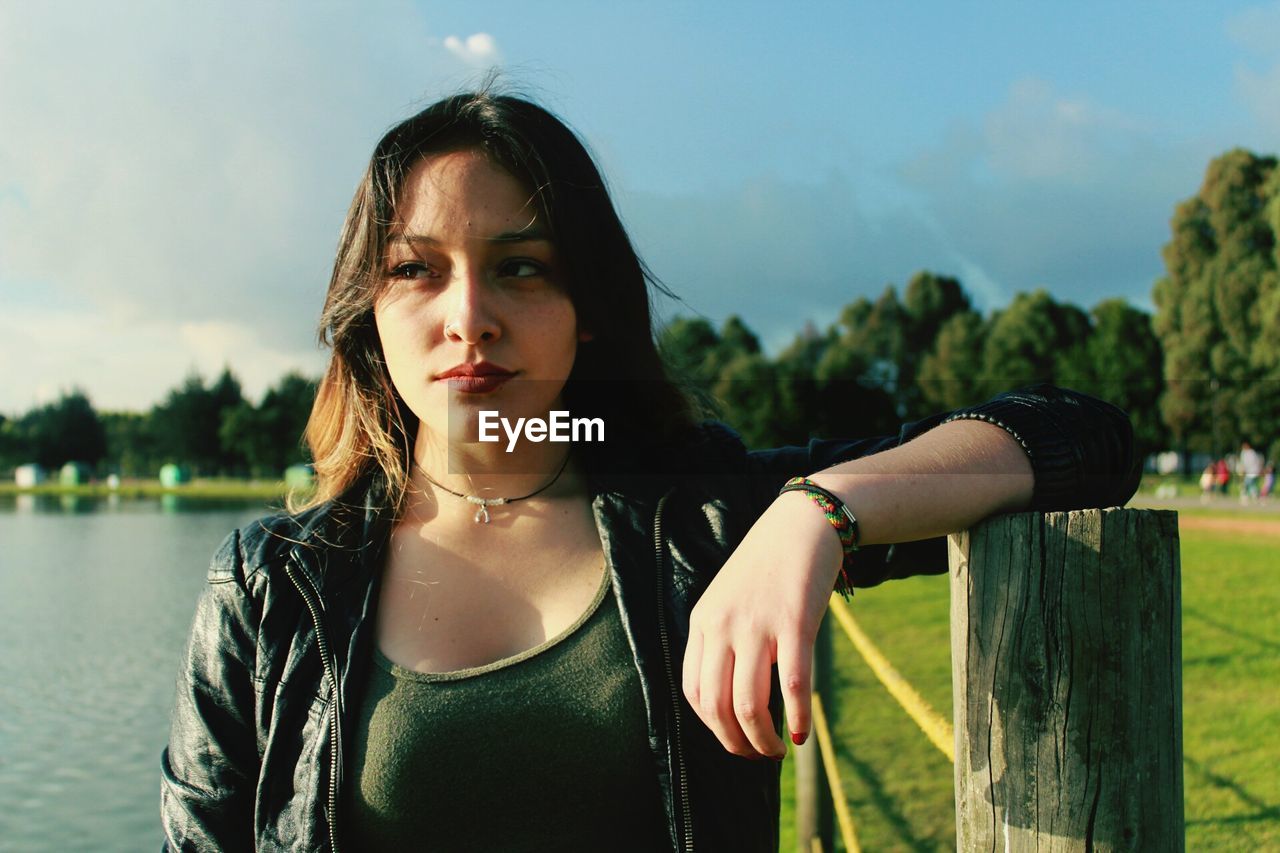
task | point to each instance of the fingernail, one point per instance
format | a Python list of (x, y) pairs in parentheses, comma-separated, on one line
[(799, 739)]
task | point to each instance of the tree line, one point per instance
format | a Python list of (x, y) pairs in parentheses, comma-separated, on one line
[(211, 428), (904, 358), (1199, 375)]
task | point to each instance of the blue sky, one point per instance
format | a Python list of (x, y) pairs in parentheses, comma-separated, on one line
[(173, 176)]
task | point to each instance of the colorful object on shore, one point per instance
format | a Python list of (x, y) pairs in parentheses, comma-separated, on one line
[(172, 476), (74, 474), (28, 476), (299, 477)]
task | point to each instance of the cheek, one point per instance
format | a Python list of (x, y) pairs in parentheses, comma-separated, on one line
[(401, 334), (558, 329)]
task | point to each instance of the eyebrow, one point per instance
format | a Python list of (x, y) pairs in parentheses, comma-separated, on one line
[(525, 235)]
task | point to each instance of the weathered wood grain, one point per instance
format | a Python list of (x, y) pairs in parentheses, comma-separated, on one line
[(1067, 678), (815, 819)]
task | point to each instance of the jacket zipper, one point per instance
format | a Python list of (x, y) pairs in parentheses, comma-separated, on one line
[(312, 599), (684, 809)]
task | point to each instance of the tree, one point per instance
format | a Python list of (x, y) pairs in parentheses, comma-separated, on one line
[(187, 423), (1126, 362), (1218, 307), (698, 358), (930, 301), (797, 406), (269, 436), (12, 445), (748, 392), (950, 375), (131, 443), (1035, 339), (67, 430)]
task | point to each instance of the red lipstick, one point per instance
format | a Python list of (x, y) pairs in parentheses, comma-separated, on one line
[(479, 377)]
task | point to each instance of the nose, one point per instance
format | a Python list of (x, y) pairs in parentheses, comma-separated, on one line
[(470, 319)]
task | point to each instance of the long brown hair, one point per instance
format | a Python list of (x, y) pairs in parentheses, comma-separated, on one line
[(360, 427)]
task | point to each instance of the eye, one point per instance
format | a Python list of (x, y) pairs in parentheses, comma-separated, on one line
[(411, 270), (522, 268)]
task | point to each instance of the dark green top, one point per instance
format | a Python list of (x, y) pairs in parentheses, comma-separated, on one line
[(546, 750)]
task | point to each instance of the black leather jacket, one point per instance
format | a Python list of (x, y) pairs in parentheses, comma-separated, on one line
[(283, 633)]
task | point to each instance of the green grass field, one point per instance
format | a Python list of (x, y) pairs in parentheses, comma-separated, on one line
[(899, 787)]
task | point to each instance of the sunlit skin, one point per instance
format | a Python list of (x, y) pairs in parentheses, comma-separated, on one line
[(472, 275)]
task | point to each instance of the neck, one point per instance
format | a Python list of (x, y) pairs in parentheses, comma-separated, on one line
[(487, 470)]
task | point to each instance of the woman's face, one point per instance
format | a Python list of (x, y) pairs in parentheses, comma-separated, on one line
[(473, 287)]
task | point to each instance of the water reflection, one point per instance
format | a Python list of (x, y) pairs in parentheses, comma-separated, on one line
[(168, 503), (96, 597), (75, 504)]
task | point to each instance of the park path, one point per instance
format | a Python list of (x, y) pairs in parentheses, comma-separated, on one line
[(1243, 526), (1254, 519)]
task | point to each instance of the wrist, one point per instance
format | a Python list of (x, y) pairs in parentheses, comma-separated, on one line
[(827, 510), (813, 533)]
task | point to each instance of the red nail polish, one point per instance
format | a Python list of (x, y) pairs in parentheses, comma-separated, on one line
[(799, 739)]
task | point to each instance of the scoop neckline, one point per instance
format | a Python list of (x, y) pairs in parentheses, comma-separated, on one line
[(405, 673)]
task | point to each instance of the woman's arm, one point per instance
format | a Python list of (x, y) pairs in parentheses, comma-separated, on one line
[(768, 600)]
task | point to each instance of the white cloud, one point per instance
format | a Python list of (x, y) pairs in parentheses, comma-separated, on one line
[(1261, 93), (1038, 134), (1056, 190), (131, 363), (166, 164), (477, 49), (1257, 31), (213, 344)]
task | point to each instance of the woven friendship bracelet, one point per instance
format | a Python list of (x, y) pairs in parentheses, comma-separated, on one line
[(844, 522)]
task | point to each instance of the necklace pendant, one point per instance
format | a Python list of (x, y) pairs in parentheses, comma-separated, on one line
[(482, 515)]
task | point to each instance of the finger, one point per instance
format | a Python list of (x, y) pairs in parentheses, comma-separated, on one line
[(716, 700), (690, 679), (795, 674), (752, 681)]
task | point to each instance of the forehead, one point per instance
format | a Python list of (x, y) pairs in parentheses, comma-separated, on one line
[(463, 193)]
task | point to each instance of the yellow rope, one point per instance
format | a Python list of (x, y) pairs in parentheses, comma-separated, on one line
[(937, 729), (833, 777)]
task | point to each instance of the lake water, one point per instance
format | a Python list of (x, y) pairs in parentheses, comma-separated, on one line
[(96, 598)]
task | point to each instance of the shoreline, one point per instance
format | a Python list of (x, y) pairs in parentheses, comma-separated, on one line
[(234, 490)]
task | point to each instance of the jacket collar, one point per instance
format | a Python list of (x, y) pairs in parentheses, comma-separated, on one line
[(342, 537)]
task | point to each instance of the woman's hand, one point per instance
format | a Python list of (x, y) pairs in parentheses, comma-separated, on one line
[(764, 606), (766, 603)]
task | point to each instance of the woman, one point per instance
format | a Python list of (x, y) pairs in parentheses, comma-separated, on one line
[(457, 646)]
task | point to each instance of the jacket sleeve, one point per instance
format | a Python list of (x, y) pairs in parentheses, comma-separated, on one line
[(1081, 451), (209, 770)]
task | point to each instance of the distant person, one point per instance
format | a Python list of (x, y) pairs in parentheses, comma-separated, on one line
[(1250, 467), (1221, 475), (1208, 482), (1268, 482), (454, 645)]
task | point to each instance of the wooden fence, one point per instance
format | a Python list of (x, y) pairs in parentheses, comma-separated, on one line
[(1067, 687)]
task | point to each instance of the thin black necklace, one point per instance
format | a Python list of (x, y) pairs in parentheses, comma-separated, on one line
[(483, 504)]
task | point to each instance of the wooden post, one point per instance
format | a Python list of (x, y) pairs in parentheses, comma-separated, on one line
[(1067, 676), (815, 820)]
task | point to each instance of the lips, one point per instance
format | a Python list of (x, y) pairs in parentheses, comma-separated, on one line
[(478, 378)]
